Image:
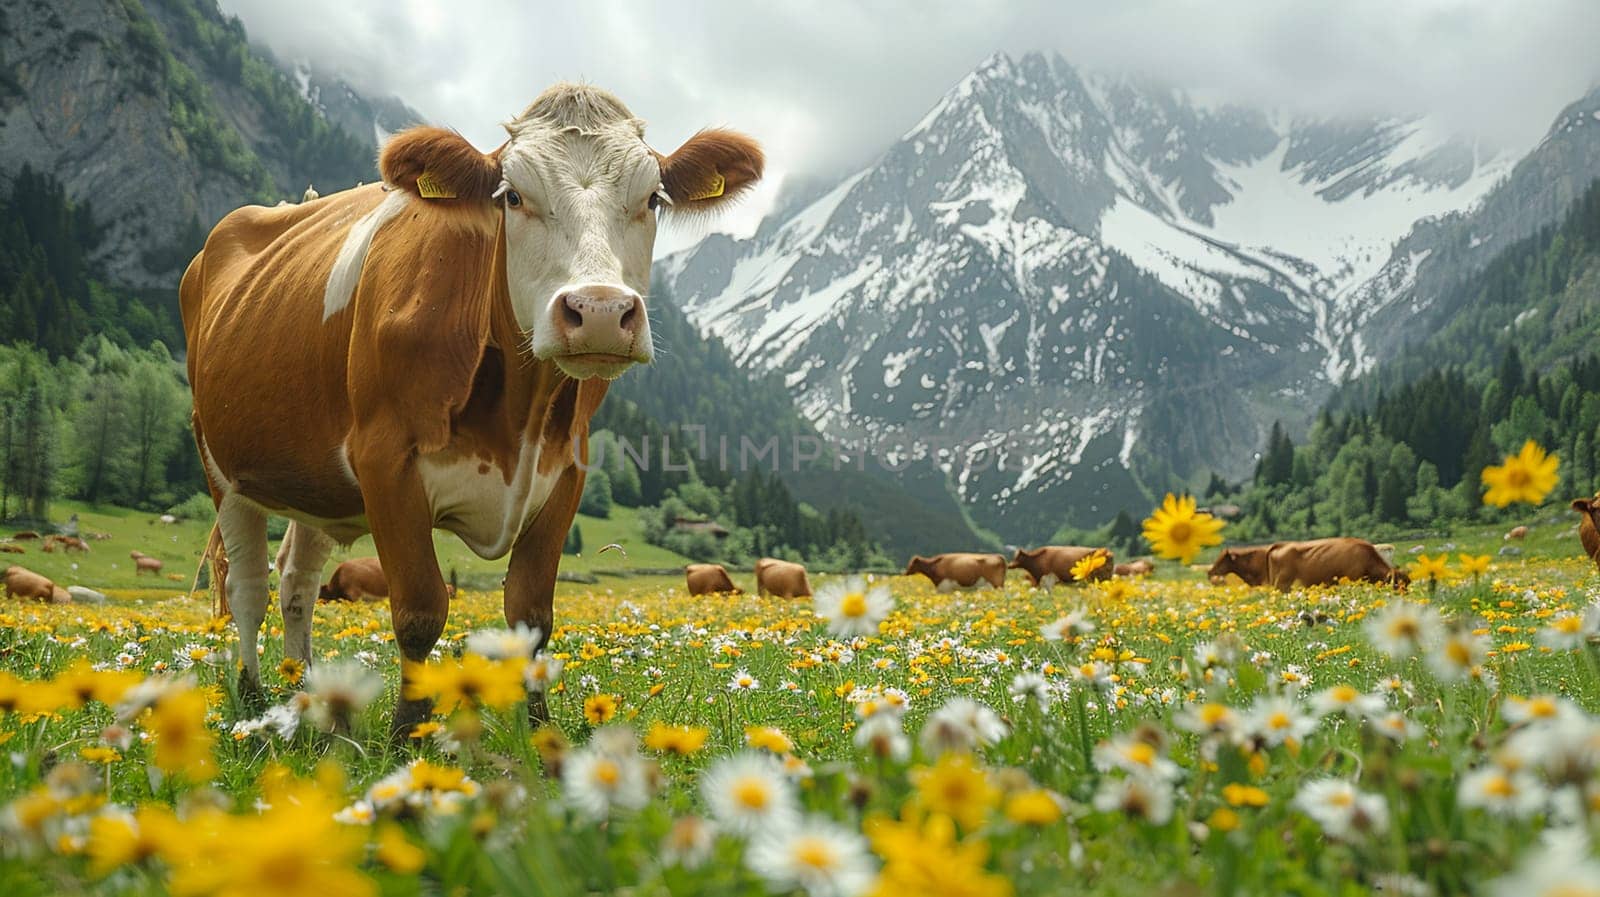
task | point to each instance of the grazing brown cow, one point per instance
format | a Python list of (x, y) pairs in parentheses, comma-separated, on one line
[(72, 543), (21, 582), (704, 579), (12, 549), (143, 562), (1141, 567), (1248, 563), (1588, 534), (26, 535), (783, 579), (58, 595), (960, 570), (1051, 564), (1321, 562), (1516, 532), (358, 579), (440, 343)]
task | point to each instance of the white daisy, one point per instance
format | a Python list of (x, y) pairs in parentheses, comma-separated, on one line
[(340, 691), (1501, 792), (504, 644), (962, 724), (1032, 687), (1396, 726), (1346, 699), (1562, 866), (543, 672), (882, 737), (817, 856), (689, 842), (852, 608), (1457, 654), (1401, 629), (598, 782), (1075, 623), (747, 794), (1149, 800), (1136, 756), (743, 681), (1341, 810)]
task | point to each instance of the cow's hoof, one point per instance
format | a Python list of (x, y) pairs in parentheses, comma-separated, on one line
[(538, 710), (407, 716), (252, 697)]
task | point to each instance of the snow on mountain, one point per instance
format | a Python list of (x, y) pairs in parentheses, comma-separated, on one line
[(1059, 285)]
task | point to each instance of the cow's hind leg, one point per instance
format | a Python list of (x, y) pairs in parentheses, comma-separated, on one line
[(305, 551), (244, 537)]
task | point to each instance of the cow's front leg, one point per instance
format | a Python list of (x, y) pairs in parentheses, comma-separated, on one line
[(531, 579), (402, 528), (306, 551), (243, 528)]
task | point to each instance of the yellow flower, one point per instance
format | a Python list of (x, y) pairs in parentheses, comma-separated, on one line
[(296, 848), (769, 738), (396, 851), (100, 754), (473, 681), (1430, 568), (1034, 806), (680, 740), (1177, 531), (182, 741), (116, 841), (923, 858), (957, 787), (599, 709), (1527, 476), (1238, 795), (1223, 819), (1087, 564), (292, 670), (1474, 565)]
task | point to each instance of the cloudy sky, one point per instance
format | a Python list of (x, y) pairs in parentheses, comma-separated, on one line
[(827, 85)]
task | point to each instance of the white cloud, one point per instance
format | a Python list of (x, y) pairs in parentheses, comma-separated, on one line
[(827, 84)]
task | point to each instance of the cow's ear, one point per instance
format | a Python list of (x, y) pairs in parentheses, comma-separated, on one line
[(438, 164), (711, 169)]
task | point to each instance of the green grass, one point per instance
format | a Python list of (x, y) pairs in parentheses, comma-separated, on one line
[(179, 546)]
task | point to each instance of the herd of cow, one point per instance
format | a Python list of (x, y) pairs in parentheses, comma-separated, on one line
[(1281, 565)]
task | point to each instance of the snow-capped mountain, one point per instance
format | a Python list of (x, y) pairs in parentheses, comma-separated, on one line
[(368, 117), (1085, 283)]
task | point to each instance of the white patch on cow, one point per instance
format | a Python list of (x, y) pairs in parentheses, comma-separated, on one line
[(346, 273), (948, 585), (486, 512), (1048, 581)]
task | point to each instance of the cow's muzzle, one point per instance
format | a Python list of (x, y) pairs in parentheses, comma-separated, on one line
[(602, 330)]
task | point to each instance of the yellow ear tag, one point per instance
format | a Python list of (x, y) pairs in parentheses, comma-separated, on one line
[(714, 190), (428, 187)]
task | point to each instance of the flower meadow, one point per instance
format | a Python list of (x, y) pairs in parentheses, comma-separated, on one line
[(1161, 735)]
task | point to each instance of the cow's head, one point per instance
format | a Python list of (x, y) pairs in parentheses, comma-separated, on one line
[(1228, 561), (578, 190), (917, 564), (1587, 506)]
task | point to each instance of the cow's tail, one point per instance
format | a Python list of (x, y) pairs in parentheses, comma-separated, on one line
[(217, 556)]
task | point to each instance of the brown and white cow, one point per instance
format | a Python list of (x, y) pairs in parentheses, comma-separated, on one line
[(1588, 534), (1140, 567), (707, 579), (428, 353), (960, 570), (1517, 533), (144, 563), (783, 579), (358, 579), (1051, 564), (20, 582)]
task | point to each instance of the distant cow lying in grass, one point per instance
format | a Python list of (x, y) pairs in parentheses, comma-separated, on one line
[(783, 579), (1051, 564), (358, 579), (1316, 562), (708, 579), (960, 570), (1141, 567)]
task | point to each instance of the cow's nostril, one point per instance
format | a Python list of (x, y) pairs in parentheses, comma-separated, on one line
[(572, 316), (628, 317)]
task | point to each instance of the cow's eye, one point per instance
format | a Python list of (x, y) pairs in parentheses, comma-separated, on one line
[(655, 201), (513, 198)]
